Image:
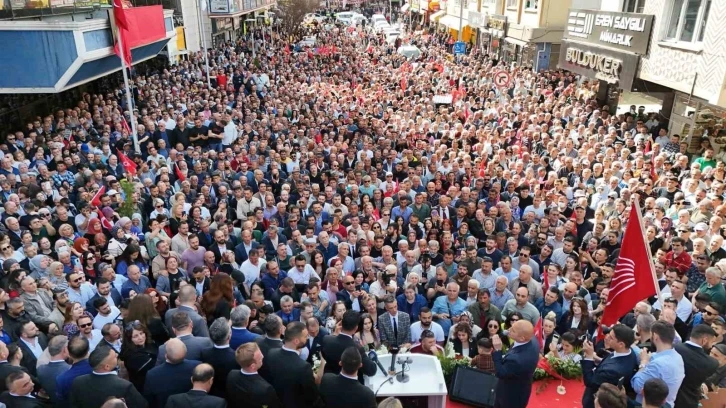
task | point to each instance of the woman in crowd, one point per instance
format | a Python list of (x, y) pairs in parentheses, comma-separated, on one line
[(367, 335), (566, 349), (160, 302), (138, 353), (463, 340), (142, 309), (57, 275), (39, 266), (576, 319), (336, 316), (168, 281), (411, 302), (73, 312), (131, 256), (219, 299)]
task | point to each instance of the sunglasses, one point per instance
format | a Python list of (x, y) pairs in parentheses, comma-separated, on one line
[(77, 280), (710, 313), (348, 283), (83, 326), (133, 325), (5, 248)]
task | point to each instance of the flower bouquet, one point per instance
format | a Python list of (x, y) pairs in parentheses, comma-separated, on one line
[(559, 369), (450, 360)]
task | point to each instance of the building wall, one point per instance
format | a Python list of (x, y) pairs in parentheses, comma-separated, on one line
[(678, 67), (543, 25)]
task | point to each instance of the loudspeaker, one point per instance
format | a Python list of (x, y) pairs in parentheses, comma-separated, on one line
[(473, 386)]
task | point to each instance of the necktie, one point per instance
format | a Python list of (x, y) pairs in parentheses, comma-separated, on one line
[(444, 213), (395, 330)]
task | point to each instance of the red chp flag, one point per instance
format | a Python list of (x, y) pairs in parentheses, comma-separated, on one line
[(122, 24), (539, 333), (634, 277), (96, 200), (128, 164)]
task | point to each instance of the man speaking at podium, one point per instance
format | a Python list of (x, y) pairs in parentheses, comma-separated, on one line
[(515, 370), (334, 346)]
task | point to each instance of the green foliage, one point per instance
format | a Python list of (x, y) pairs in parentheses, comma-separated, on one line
[(568, 369), (127, 208)]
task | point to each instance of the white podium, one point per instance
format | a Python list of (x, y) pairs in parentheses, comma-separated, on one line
[(425, 379)]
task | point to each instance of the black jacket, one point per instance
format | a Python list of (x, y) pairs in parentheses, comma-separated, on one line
[(698, 366), (22, 402), (337, 391), (29, 360), (333, 348), (92, 390), (252, 389), (223, 361), (292, 379), (195, 399)]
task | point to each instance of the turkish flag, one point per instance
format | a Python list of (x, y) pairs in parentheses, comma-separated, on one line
[(105, 223), (96, 200), (404, 84), (634, 278), (539, 333), (128, 164), (122, 24), (179, 173)]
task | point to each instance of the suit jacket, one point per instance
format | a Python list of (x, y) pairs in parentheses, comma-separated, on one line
[(386, 329), (240, 253), (698, 366), (266, 345), (292, 379), (5, 370), (451, 210), (270, 248), (195, 347), (47, 374), (342, 392), (252, 389), (195, 399), (12, 401), (241, 336), (92, 390), (316, 348), (204, 240), (610, 370), (200, 325), (166, 380), (515, 371), (114, 295), (223, 361), (217, 254), (333, 348), (344, 296), (29, 360), (293, 317)]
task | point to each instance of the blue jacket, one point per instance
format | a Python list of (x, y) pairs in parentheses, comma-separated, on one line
[(271, 284), (544, 309), (166, 380), (515, 371), (610, 370), (64, 381), (292, 317), (240, 253), (413, 309), (240, 337)]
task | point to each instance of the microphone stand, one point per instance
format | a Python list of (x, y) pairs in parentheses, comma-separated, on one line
[(402, 377)]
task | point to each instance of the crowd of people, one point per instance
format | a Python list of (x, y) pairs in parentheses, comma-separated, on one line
[(315, 204)]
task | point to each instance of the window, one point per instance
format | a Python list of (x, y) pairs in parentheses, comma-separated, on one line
[(633, 6), (531, 4), (687, 21), (512, 3)]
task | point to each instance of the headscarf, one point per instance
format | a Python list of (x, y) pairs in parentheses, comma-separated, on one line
[(122, 222), (78, 245), (108, 213), (35, 268), (92, 223)]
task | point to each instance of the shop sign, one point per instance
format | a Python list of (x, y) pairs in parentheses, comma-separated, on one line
[(219, 6), (497, 25), (599, 63), (623, 31), (476, 19)]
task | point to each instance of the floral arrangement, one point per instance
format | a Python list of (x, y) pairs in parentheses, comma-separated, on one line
[(552, 367), (450, 360), (316, 364)]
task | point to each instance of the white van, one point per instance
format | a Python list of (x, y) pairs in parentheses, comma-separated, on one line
[(378, 17), (391, 36)]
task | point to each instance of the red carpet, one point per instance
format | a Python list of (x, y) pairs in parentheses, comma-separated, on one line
[(548, 396)]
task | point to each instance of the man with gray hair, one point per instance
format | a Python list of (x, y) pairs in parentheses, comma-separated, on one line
[(713, 286), (642, 334), (47, 373), (182, 326), (240, 317), (221, 356), (287, 312)]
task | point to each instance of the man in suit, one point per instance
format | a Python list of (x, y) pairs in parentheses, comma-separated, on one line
[(516, 370), (272, 340), (239, 317), (200, 281), (47, 373), (621, 363), (270, 242), (202, 381), (342, 390), (187, 298), (394, 326), (291, 376), (92, 390), (221, 357), (334, 346), (32, 342), (287, 312), (104, 289), (241, 251), (78, 352), (20, 387), (315, 338), (220, 246), (170, 377), (246, 384), (182, 327), (350, 296), (6, 368), (697, 363)]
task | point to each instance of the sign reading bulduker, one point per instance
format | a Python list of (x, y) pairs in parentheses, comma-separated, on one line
[(623, 31), (599, 63)]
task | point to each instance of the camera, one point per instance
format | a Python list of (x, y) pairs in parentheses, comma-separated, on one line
[(357, 288), (386, 279)]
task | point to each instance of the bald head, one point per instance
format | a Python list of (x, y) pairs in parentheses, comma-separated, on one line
[(176, 351), (522, 331)]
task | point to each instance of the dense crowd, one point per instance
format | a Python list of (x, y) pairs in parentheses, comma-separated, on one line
[(313, 192)]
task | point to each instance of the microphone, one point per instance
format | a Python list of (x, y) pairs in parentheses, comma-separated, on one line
[(394, 351), (374, 356)]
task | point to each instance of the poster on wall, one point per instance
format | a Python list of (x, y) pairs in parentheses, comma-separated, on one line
[(219, 6)]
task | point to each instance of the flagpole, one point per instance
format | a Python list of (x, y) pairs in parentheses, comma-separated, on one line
[(204, 42), (129, 101), (647, 247)]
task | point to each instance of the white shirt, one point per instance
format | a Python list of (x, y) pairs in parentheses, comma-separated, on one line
[(304, 276), (252, 272), (683, 309), (416, 331), (34, 347), (99, 321), (230, 133), (94, 340)]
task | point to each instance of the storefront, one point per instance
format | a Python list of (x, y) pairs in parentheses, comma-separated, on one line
[(494, 34), (606, 46), (694, 119)]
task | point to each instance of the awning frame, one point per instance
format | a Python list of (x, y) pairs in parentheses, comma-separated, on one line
[(437, 15)]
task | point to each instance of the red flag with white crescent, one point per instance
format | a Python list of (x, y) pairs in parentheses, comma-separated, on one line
[(105, 223), (128, 164), (96, 200)]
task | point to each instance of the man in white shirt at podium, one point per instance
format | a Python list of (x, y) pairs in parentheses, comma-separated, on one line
[(426, 322)]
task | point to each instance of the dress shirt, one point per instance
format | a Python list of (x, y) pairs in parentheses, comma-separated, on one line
[(34, 347), (666, 365)]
